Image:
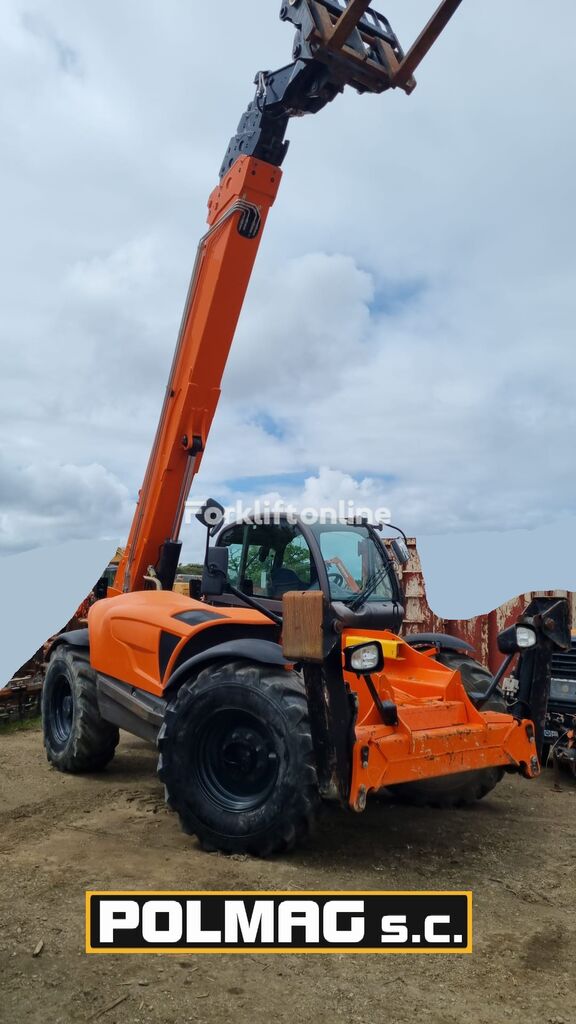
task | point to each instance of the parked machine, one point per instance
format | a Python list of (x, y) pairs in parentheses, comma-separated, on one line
[(286, 682), (560, 725)]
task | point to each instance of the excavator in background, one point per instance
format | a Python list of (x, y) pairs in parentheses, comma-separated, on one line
[(284, 683)]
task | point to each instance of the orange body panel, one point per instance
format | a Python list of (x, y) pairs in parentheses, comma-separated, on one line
[(125, 633), (220, 281), (439, 730)]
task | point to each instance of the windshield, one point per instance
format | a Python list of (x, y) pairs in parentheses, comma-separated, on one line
[(353, 559)]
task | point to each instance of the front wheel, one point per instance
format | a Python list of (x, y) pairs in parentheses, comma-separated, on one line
[(236, 759), (462, 788), (76, 737)]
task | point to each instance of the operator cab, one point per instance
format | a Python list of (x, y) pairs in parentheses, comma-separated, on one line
[(347, 562)]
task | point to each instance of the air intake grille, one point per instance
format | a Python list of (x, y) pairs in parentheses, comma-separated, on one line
[(564, 664)]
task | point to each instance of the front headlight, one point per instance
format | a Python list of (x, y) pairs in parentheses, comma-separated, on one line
[(366, 658), (516, 639), (525, 637)]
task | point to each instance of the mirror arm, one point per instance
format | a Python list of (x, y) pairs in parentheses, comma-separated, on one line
[(253, 603), (496, 681)]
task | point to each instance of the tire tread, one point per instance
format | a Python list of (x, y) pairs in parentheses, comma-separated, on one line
[(93, 742), (289, 830)]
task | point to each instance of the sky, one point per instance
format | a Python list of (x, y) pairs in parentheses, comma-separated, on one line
[(408, 337)]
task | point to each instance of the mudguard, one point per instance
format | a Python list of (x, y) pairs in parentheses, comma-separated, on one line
[(263, 651), (441, 640), (75, 638)]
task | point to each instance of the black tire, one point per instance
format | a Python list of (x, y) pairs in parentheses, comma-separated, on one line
[(236, 759), (463, 788), (76, 737)]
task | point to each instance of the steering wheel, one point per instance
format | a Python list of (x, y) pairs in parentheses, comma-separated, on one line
[(336, 578)]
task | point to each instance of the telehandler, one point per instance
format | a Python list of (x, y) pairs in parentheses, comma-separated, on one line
[(284, 682)]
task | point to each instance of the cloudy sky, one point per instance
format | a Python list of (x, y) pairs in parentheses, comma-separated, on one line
[(408, 338)]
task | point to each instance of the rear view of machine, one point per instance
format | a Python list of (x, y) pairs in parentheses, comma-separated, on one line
[(262, 705)]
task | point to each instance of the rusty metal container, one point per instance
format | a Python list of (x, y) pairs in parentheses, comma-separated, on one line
[(482, 631)]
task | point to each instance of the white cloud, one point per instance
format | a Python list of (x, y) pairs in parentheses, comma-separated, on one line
[(47, 503), (411, 319), (116, 274)]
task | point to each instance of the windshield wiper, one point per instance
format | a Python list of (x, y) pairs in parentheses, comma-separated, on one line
[(371, 585)]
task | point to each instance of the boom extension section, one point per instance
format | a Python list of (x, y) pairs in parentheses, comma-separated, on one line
[(336, 45)]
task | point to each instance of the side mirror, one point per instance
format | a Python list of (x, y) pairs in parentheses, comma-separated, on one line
[(215, 572), (401, 551), (516, 639), (211, 515)]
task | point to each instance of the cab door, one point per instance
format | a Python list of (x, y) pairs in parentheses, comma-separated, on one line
[(266, 562)]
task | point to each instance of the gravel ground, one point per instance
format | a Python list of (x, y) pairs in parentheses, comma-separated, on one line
[(60, 835)]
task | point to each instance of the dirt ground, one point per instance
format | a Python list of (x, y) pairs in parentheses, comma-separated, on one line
[(60, 835)]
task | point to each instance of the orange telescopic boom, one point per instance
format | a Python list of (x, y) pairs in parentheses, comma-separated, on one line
[(238, 209), (336, 45)]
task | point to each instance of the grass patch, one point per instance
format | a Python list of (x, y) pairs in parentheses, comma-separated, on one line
[(26, 725)]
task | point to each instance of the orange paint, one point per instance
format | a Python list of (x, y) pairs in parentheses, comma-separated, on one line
[(223, 272), (439, 730)]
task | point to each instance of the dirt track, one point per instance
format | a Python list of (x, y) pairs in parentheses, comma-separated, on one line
[(61, 834)]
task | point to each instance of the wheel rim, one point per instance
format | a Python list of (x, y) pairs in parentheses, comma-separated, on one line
[(61, 711), (234, 760)]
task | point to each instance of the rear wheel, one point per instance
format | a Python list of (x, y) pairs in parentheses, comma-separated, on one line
[(76, 737), (236, 759), (464, 787)]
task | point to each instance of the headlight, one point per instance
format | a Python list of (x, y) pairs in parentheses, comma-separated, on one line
[(525, 637), (516, 639), (367, 658)]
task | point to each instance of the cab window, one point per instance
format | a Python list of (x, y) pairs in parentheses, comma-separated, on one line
[(353, 561), (268, 561)]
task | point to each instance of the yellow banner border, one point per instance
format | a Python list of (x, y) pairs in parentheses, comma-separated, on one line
[(284, 951)]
